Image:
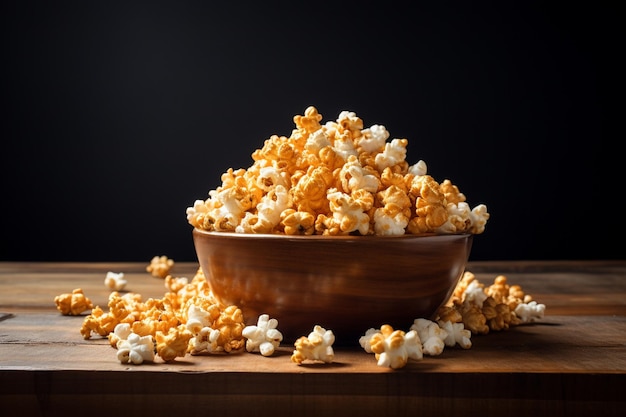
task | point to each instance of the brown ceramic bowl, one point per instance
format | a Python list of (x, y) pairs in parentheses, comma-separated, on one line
[(346, 284)]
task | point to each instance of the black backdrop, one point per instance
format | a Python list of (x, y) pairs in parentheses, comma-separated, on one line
[(118, 115)]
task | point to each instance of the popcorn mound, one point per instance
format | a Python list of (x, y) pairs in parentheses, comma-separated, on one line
[(333, 179), (336, 178)]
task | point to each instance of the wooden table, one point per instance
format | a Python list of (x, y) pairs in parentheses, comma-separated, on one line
[(572, 362)]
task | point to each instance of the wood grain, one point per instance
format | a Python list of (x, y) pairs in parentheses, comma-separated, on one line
[(572, 362)]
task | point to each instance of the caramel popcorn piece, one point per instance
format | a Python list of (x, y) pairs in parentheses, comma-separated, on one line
[(392, 348), (173, 344), (74, 303), (160, 266), (317, 346), (297, 222)]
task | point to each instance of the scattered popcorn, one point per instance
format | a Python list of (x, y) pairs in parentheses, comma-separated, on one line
[(318, 346), (135, 349), (188, 319), (73, 304), (482, 308), (173, 344), (115, 281), (120, 332), (160, 266), (530, 312), (175, 284), (432, 336), (205, 340), (264, 337), (121, 310), (392, 348), (336, 178), (365, 340), (230, 325), (457, 334), (475, 293)]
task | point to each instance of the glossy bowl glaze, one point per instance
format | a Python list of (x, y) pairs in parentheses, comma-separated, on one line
[(346, 284)]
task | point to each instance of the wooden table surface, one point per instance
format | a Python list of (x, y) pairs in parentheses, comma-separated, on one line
[(571, 362)]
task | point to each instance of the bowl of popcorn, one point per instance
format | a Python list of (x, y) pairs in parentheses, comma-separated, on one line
[(331, 226)]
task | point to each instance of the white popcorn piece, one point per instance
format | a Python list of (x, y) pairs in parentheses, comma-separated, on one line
[(270, 177), (264, 337), (197, 319), (344, 147), (397, 354), (115, 281), (394, 152), (318, 346), (272, 204), (389, 225), (206, 340), (199, 208), (475, 293), (457, 334), (365, 340), (419, 168), (479, 217), (392, 348), (136, 349), (458, 218), (122, 331), (530, 312), (354, 177), (373, 139), (432, 336), (316, 141)]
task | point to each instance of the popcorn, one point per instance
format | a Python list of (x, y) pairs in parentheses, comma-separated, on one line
[(173, 344), (530, 312), (318, 346), (394, 153), (392, 348), (493, 308), (298, 222), (355, 177), (120, 332), (432, 336), (230, 325), (189, 319), (205, 340), (74, 303), (135, 349), (457, 334), (348, 214), (160, 266), (393, 217), (115, 281), (264, 337), (335, 178)]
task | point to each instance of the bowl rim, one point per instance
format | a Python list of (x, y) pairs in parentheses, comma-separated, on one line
[(282, 236)]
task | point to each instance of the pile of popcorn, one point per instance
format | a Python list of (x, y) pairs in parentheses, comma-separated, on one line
[(189, 320), (335, 178)]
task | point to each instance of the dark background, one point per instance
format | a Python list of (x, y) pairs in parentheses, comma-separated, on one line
[(118, 115)]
